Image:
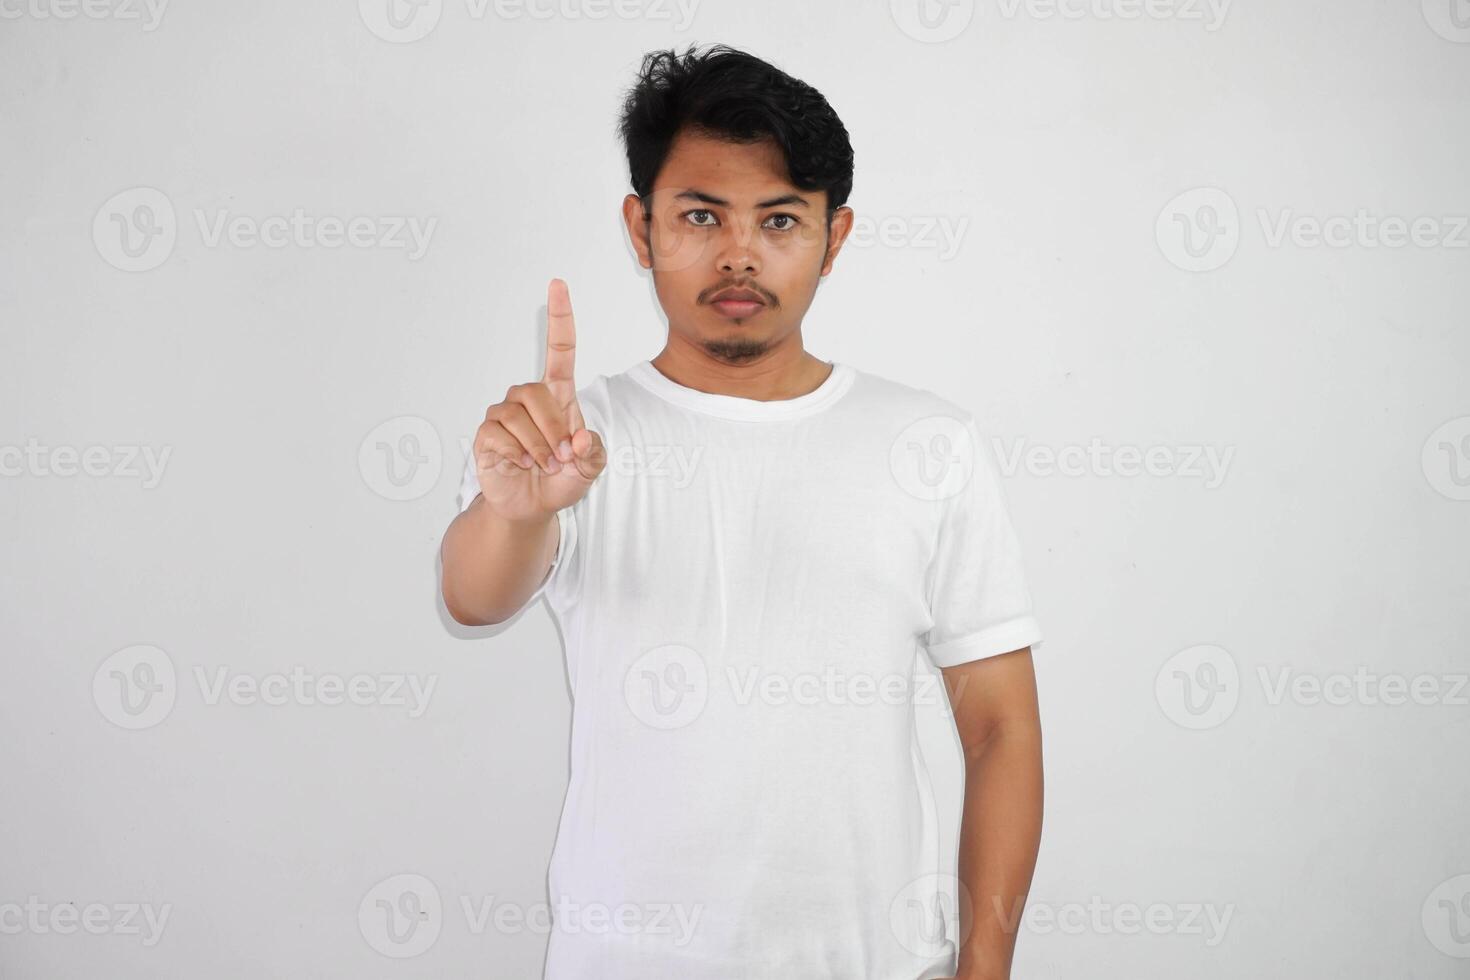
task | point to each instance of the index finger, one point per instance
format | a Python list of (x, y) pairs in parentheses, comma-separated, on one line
[(561, 335)]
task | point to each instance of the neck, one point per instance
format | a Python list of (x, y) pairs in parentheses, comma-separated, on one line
[(782, 372)]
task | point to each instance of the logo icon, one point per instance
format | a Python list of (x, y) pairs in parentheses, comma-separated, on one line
[(933, 458), (400, 21), (1450, 19), (1446, 458), (135, 230), (1198, 687), (401, 459), (135, 687), (401, 916), (932, 21), (1199, 230), (667, 687), (1446, 917), (931, 915)]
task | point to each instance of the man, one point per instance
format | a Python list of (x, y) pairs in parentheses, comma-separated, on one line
[(747, 547)]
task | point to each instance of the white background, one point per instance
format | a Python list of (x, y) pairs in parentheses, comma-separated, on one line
[(1053, 143)]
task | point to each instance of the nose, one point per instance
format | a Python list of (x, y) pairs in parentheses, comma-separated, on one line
[(736, 256)]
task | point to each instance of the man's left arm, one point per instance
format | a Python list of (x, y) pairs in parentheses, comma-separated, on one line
[(995, 711)]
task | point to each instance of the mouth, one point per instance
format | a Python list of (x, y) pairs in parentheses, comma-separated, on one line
[(738, 308), (738, 303)]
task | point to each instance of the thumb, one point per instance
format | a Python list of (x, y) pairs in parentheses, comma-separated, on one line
[(588, 453)]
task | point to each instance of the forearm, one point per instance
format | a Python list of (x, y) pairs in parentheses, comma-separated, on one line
[(1000, 833), (492, 565)]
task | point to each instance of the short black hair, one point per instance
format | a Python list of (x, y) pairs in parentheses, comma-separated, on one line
[(732, 95)]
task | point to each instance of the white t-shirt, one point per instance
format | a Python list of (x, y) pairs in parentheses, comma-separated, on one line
[(743, 594)]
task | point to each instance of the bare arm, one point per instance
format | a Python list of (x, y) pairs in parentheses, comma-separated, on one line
[(996, 714), (534, 456), (492, 565)]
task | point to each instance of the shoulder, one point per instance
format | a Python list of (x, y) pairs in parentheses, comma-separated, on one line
[(903, 401)]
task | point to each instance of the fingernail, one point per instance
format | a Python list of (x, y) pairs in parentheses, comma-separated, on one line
[(526, 460), (553, 465), (564, 449)]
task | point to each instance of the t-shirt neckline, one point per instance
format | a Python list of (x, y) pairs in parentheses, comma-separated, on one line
[(838, 380)]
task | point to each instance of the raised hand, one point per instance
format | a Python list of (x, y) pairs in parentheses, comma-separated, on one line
[(533, 453)]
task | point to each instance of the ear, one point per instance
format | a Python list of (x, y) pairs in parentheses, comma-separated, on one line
[(841, 227), (638, 230)]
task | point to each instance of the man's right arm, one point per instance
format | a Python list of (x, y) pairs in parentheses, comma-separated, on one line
[(533, 456), (493, 565)]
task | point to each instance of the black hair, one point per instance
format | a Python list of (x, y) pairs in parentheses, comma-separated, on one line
[(731, 95)]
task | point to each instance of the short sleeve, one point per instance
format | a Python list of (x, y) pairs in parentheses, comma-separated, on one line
[(978, 598), (469, 489)]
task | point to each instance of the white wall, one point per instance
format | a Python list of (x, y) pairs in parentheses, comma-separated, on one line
[(1026, 163)]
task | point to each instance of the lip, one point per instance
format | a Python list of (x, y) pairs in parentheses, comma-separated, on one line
[(738, 307), (738, 302)]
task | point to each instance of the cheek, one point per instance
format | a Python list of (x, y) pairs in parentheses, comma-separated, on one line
[(679, 247)]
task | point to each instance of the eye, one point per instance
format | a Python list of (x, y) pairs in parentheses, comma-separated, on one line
[(794, 221), (698, 224)]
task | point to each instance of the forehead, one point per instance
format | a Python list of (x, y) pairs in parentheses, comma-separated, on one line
[(741, 173)]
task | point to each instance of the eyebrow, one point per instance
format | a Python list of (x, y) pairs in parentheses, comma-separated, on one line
[(792, 199)]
